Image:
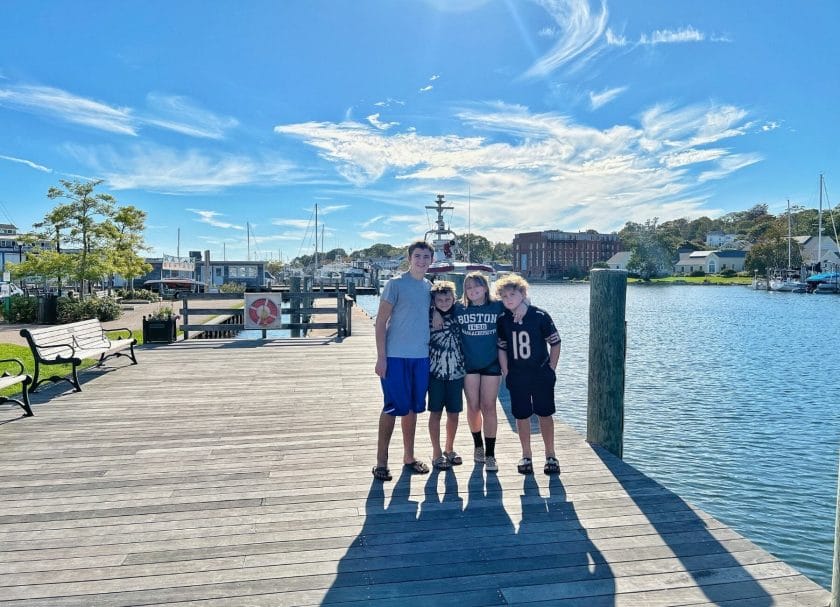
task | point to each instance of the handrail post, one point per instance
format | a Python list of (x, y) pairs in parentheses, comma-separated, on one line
[(835, 573), (294, 304), (185, 314), (607, 346), (340, 316)]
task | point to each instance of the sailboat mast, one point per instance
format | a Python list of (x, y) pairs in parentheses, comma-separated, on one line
[(819, 229), (316, 236), (789, 233), (248, 232)]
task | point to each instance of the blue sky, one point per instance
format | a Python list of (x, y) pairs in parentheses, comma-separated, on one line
[(547, 114)]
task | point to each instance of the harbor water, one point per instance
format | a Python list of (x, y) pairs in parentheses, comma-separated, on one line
[(731, 401)]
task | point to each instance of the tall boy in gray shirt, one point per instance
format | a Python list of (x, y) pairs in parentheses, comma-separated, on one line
[(402, 357)]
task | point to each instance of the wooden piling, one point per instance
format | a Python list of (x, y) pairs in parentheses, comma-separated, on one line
[(607, 344), (835, 572), (294, 304)]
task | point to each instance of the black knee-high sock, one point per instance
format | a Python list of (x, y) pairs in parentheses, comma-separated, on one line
[(490, 451), (477, 439)]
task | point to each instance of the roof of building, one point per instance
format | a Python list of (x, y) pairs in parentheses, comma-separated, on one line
[(730, 253), (620, 258)]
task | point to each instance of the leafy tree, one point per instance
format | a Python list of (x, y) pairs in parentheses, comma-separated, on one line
[(503, 251), (124, 232), (652, 251), (480, 249), (772, 252), (84, 214)]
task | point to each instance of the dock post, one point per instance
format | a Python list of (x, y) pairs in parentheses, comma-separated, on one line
[(607, 347), (341, 320), (294, 304), (835, 572), (185, 314)]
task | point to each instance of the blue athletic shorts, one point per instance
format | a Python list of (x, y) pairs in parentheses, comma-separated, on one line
[(404, 385), (532, 391)]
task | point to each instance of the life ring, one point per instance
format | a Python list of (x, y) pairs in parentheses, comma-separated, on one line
[(263, 312)]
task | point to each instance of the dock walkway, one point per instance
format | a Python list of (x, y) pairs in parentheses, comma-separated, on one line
[(233, 473)]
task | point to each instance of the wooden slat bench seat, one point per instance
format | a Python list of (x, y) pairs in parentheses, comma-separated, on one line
[(9, 379), (71, 343)]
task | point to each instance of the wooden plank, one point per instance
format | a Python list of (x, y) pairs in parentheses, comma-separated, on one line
[(159, 485)]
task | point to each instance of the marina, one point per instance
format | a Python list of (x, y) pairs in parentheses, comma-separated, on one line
[(219, 472)]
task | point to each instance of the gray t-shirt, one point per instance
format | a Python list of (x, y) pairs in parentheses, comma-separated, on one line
[(407, 333)]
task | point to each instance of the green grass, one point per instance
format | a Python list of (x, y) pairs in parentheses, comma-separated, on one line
[(710, 279), (25, 356)]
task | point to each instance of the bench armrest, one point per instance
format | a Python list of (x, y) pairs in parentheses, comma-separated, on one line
[(73, 348), (14, 360), (129, 335)]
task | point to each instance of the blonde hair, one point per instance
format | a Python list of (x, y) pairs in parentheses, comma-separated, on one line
[(480, 279), (441, 287), (511, 281)]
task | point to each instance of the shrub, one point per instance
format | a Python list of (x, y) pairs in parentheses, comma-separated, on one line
[(23, 309), (728, 273), (697, 273), (232, 287), (72, 310)]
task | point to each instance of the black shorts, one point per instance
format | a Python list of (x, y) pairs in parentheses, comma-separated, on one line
[(532, 391), (446, 393), (491, 369)]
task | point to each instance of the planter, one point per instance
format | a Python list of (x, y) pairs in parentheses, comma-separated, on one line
[(159, 330)]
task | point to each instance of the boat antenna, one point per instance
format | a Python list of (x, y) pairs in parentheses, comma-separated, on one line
[(469, 221)]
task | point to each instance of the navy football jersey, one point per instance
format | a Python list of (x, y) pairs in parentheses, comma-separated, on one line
[(527, 344)]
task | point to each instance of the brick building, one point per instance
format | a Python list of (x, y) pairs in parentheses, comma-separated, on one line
[(555, 254)]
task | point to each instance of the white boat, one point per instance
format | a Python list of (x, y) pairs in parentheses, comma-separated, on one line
[(786, 280), (449, 262)]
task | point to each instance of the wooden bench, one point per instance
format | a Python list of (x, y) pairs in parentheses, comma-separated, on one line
[(7, 380), (71, 343)]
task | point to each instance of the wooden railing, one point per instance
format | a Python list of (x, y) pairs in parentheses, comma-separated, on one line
[(302, 307)]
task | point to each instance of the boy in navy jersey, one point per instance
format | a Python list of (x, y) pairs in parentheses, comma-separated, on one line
[(528, 355)]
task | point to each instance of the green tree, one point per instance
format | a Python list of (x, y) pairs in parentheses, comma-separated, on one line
[(503, 252), (124, 232), (652, 250), (771, 252), (478, 248), (84, 214)]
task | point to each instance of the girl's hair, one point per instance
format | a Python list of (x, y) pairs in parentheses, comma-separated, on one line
[(480, 279), (443, 286), (511, 281)]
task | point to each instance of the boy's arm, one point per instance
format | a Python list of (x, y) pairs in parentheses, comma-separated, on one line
[(382, 317), (501, 343), (554, 356)]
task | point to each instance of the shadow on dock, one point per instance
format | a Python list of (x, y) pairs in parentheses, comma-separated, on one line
[(710, 562), (448, 551)]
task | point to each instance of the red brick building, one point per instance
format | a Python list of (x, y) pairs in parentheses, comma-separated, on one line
[(556, 254)]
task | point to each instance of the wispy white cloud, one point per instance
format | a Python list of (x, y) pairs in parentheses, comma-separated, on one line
[(434, 77), (71, 108), (579, 31), (614, 39), (209, 217), (29, 163), (382, 126), (597, 100), (373, 220), (389, 102), (180, 114), (547, 32), (332, 208), (547, 170), (770, 126), (170, 170), (685, 34), (172, 113), (426, 88), (374, 236), (292, 223)]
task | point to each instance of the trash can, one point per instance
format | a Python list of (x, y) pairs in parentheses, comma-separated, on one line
[(47, 309)]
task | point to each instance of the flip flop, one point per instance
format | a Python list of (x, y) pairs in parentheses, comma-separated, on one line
[(442, 463), (552, 466), (418, 467), (453, 458), (381, 473), (525, 466)]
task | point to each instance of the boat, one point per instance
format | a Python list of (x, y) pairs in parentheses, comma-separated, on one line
[(449, 261), (786, 279), (826, 282)]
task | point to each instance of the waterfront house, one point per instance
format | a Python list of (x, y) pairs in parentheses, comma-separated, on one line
[(813, 251), (619, 260), (710, 262)]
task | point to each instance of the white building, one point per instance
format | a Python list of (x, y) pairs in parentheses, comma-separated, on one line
[(710, 262)]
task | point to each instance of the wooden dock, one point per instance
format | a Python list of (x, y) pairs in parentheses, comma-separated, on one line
[(229, 473)]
